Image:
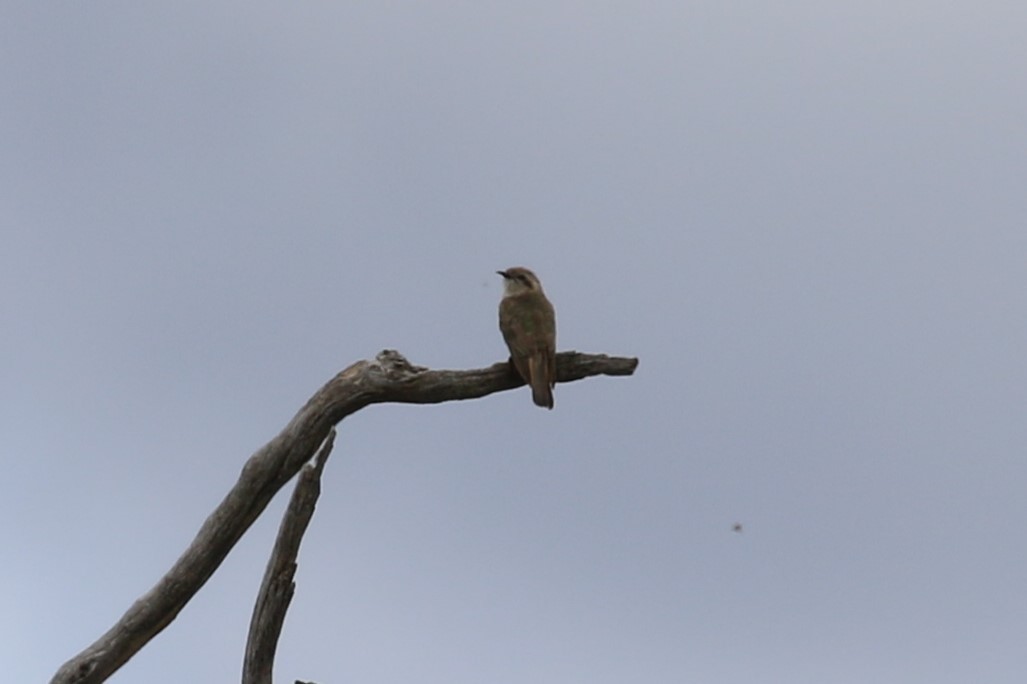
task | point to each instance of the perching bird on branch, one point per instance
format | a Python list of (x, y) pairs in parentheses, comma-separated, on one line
[(528, 323)]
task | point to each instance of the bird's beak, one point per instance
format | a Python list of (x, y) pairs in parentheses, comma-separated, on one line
[(503, 273)]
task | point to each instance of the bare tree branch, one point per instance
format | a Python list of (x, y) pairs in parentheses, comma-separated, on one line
[(277, 587), (390, 378)]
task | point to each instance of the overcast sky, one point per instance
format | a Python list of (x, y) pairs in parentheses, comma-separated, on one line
[(806, 219)]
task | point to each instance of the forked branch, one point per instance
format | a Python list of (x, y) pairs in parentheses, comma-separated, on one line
[(278, 586), (389, 378)]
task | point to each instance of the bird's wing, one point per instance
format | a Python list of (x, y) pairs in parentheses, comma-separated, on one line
[(528, 324)]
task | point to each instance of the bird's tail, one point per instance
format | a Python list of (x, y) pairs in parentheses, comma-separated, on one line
[(541, 383)]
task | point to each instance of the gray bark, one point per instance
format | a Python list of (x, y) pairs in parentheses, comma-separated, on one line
[(389, 378)]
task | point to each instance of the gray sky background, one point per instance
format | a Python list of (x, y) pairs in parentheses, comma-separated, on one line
[(806, 219)]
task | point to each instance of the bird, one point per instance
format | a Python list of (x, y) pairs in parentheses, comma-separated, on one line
[(528, 323)]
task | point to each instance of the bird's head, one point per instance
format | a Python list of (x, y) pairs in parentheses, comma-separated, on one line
[(518, 280)]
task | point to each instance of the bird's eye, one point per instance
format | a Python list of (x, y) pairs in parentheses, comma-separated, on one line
[(524, 279)]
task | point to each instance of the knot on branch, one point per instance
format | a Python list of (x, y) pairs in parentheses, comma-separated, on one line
[(395, 365)]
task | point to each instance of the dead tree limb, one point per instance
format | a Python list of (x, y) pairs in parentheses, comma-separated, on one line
[(389, 378), (278, 587)]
